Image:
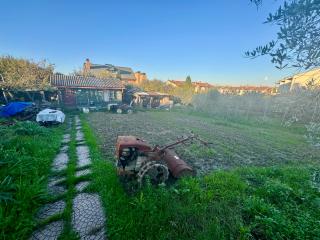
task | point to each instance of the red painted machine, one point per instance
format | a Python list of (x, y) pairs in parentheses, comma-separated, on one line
[(137, 158)]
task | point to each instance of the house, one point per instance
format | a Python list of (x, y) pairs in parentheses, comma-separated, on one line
[(125, 74), (79, 91), (103, 70), (199, 87), (284, 85), (299, 81)]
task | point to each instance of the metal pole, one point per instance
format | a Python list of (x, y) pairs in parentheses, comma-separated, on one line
[(3, 93)]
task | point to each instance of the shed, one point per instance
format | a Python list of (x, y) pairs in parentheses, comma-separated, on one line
[(80, 91), (151, 99)]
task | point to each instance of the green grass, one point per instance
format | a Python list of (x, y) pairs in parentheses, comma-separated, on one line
[(26, 153), (244, 203)]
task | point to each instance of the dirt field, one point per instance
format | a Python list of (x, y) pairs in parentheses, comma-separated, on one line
[(234, 143)]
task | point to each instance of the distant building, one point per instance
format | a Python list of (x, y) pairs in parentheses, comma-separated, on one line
[(199, 87), (284, 85), (175, 83), (78, 91), (202, 87), (243, 90), (299, 81), (140, 77), (125, 74)]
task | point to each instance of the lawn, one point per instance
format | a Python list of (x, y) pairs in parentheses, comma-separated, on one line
[(26, 153), (257, 181)]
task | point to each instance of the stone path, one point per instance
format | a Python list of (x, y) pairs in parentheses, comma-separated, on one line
[(56, 187), (88, 219), (50, 232), (51, 209)]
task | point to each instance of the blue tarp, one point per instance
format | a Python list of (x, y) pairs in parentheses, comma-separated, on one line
[(13, 108)]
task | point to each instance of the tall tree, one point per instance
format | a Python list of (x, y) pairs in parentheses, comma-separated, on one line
[(188, 80), (298, 38), (154, 85)]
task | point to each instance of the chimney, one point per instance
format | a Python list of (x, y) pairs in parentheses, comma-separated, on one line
[(86, 66)]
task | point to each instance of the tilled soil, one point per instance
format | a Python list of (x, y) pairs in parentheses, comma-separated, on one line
[(233, 144)]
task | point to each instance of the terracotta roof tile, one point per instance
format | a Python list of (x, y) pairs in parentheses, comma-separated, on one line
[(60, 80)]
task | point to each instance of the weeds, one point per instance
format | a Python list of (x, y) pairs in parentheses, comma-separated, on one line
[(296, 106), (313, 133)]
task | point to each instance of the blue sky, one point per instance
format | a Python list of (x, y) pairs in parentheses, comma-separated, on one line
[(167, 39)]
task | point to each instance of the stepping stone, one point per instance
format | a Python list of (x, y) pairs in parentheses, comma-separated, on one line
[(51, 209), (60, 162), (78, 128), (77, 120), (83, 172), (49, 232), (66, 138), (88, 218), (79, 136), (81, 143), (54, 186), (83, 156), (82, 185), (55, 180), (64, 149)]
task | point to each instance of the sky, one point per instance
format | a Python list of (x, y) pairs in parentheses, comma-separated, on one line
[(167, 39)]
